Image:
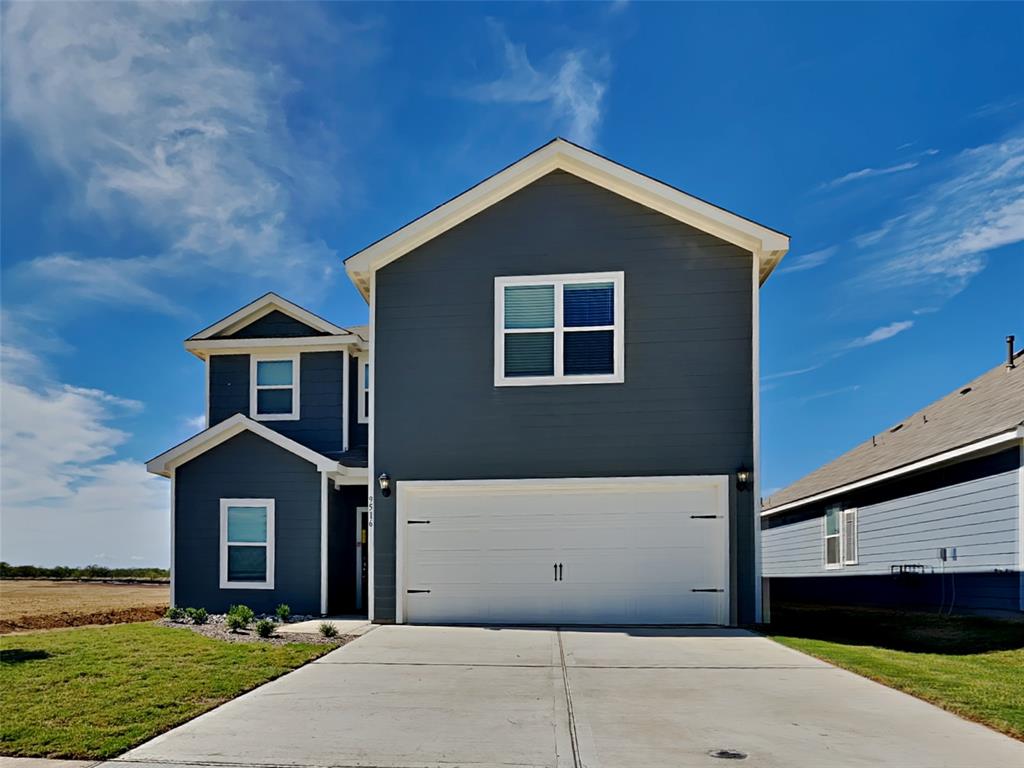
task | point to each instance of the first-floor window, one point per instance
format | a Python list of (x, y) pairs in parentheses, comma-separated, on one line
[(840, 537), (247, 543)]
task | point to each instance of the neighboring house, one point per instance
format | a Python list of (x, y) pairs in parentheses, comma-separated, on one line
[(929, 513), (562, 408)]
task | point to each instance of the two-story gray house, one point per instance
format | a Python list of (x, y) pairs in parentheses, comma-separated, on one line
[(551, 417)]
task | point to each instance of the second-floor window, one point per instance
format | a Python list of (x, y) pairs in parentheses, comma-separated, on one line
[(559, 329), (274, 389), (364, 390)]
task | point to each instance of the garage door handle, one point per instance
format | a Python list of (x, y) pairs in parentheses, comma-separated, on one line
[(555, 566), (417, 591), (559, 571), (418, 522), (704, 517), (707, 590)]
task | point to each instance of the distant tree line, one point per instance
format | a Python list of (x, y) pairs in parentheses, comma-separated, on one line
[(8, 571)]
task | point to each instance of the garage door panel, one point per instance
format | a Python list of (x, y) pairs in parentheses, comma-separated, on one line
[(631, 552)]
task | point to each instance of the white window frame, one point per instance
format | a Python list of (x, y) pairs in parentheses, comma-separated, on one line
[(559, 330), (363, 415), (850, 550), (838, 535), (269, 544), (254, 360)]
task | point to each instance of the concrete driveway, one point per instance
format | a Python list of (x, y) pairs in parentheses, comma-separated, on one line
[(406, 697)]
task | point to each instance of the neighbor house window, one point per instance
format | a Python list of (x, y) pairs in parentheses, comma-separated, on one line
[(364, 390), (559, 329), (840, 537), (849, 537), (274, 390), (247, 543)]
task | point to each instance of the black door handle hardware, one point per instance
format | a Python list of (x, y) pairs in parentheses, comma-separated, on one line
[(704, 517), (555, 566), (417, 591), (559, 571), (707, 590), (418, 522)]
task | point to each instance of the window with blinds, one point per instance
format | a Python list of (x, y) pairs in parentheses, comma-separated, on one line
[(559, 329)]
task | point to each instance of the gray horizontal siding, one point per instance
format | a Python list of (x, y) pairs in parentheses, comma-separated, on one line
[(685, 406), (274, 325), (979, 517), (321, 392)]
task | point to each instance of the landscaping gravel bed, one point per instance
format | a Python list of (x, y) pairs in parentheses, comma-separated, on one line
[(216, 627)]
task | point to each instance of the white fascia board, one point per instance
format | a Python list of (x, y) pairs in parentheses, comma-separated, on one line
[(166, 462), (201, 348), (963, 451), (264, 305), (767, 245)]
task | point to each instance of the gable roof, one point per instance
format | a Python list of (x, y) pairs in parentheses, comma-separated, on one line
[(768, 245), (264, 305), (982, 414), (166, 462)]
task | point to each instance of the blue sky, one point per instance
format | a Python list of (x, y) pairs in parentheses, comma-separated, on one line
[(164, 164)]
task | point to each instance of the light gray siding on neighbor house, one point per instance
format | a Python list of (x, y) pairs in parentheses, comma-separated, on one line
[(321, 389), (685, 406), (247, 466), (979, 516)]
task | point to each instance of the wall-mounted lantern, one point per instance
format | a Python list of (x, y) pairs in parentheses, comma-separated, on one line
[(744, 479), (384, 482)]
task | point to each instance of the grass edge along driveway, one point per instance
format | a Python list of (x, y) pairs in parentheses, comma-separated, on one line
[(94, 692), (972, 667)]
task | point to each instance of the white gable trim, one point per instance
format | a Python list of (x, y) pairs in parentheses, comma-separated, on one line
[(166, 462), (767, 245), (263, 306), (1012, 436)]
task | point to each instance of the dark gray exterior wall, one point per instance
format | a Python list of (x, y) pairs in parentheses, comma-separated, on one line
[(358, 433), (341, 547), (321, 387), (247, 466), (685, 406), (274, 325), (972, 505)]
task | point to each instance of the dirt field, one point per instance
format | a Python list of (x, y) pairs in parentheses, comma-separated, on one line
[(45, 604)]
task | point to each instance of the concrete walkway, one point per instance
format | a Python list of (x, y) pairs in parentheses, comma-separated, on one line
[(411, 697)]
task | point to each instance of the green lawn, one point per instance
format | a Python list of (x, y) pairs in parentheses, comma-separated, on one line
[(971, 666), (96, 691)]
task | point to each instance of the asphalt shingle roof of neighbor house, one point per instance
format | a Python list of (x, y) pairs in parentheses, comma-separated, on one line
[(991, 404)]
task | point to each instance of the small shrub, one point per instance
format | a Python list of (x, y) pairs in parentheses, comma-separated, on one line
[(174, 614), (196, 615), (327, 629), (284, 612), (265, 628), (239, 617)]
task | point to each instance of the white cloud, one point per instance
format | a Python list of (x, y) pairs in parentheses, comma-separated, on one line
[(830, 393), (571, 87), (196, 423), (809, 260), (881, 334), (64, 490), (867, 173), (162, 116), (942, 238)]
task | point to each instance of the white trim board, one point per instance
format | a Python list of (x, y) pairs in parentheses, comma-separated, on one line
[(206, 347), (324, 490), (261, 307), (965, 450), (165, 463), (768, 245)]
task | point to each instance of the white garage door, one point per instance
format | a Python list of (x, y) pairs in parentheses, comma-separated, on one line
[(648, 550)]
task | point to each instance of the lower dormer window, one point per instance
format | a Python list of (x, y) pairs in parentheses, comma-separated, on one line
[(559, 329), (274, 388)]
